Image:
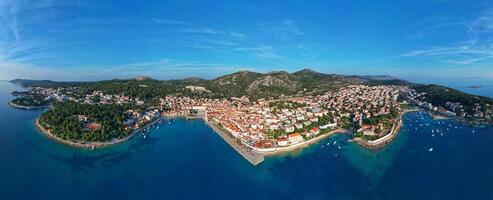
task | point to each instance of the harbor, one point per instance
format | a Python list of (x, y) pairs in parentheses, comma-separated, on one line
[(250, 155)]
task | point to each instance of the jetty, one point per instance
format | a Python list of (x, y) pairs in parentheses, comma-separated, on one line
[(252, 156)]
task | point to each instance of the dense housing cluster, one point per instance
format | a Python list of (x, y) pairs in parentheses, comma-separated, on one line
[(293, 120)]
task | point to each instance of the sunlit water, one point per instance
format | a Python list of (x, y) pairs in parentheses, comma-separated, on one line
[(187, 160)]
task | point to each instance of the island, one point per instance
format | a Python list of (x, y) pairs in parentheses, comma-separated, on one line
[(475, 86), (258, 114)]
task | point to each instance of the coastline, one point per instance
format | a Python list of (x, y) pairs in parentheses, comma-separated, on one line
[(12, 104), (301, 145), (256, 155), (248, 153), (386, 139), (90, 145)]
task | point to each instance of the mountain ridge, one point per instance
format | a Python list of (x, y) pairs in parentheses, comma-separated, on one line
[(241, 83)]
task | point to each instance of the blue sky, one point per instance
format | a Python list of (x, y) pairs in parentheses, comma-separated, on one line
[(93, 40)]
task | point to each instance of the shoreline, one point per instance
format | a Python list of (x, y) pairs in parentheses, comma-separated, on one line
[(90, 145), (301, 145), (383, 141), (256, 155), (244, 150), (12, 104)]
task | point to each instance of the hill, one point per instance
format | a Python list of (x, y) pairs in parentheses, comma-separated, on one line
[(253, 85)]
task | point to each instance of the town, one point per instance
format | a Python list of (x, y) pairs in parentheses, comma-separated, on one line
[(271, 125), (370, 114)]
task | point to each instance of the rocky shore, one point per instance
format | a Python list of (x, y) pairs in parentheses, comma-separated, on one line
[(14, 105), (387, 139), (90, 145)]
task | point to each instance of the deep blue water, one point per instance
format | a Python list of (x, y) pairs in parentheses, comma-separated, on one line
[(187, 160)]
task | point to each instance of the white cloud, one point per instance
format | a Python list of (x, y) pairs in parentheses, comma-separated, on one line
[(264, 51), (465, 62), (201, 30), (236, 34), (483, 23), (197, 29), (283, 27), (210, 31), (476, 48), (170, 22)]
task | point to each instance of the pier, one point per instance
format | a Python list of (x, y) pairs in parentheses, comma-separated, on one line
[(249, 154)]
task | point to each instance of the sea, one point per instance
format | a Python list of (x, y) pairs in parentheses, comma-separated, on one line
[(186, 159)]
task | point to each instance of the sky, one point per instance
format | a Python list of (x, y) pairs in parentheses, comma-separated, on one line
[(95, 40)]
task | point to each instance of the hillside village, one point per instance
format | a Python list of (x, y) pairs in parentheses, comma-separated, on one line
[(367, 111)]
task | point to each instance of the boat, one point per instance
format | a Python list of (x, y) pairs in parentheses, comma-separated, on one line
[(335, 142), (430, 149), (433, 131), (93, 147), (433, 135), (339, 147)]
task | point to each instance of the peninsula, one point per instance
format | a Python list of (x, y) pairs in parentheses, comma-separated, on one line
[(257, 114)]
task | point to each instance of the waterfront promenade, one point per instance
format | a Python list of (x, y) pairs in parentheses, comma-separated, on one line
[(252, 156)]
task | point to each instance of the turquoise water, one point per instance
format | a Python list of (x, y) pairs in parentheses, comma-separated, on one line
[(186, 160)]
